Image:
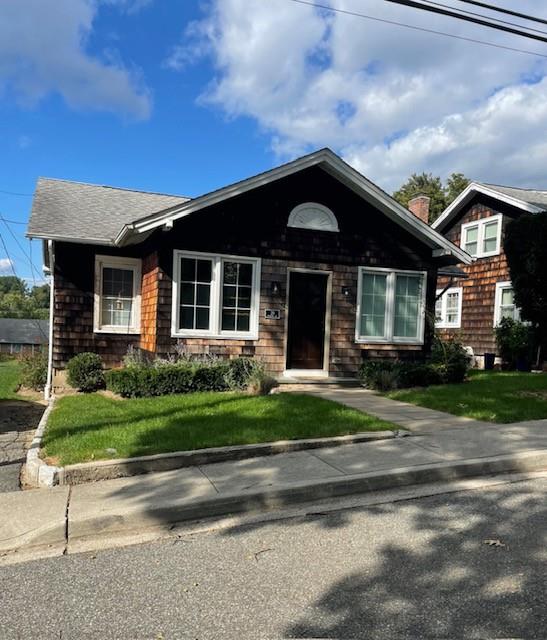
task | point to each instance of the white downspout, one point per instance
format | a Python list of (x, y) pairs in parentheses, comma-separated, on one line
[(49, 381)]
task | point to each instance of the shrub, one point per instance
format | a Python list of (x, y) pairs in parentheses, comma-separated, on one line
[(394, 374), (451, 359), (34, 370), (85, 372), (185, 375), (514, 342)]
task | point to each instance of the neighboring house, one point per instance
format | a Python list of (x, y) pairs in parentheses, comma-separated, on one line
[(472, 307), (23, 335), (309, 267)]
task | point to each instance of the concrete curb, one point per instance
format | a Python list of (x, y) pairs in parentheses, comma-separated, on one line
[(158, 513), (125, 467), (38, 473)]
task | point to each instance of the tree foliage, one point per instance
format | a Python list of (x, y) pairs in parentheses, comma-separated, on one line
[(429, 185), (18, 301), (525, 246)]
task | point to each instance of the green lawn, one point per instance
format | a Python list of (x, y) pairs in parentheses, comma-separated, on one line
[(488, 395), (10, 375), (83, 427)]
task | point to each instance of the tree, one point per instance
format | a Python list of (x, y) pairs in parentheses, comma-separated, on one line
[(17, 302), (429, 185), (455, 184), (13, 284), (525, 246)]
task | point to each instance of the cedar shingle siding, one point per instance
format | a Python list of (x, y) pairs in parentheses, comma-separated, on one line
[(479, 290), (253, 224)]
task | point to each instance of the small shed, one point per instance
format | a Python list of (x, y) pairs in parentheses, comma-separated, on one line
[(23, 335)]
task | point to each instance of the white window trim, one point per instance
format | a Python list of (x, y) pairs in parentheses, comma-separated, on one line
[(500, 286), (442, 323), (329, 217), (480, 224), (215, 330), (389, 338), (117, 262)]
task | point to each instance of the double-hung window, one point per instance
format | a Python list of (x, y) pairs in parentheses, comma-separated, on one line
[(483, 238), (448, 308), (504, 304), (391, 306), (117, 294), (215, 295)]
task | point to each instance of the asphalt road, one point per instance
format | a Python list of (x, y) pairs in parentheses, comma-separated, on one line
[(465, 565)]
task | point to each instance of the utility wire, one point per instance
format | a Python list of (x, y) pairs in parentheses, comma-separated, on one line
[(27, 256), (460, 16), (15, 193), (509, 12), (356, 14), (482, 15)]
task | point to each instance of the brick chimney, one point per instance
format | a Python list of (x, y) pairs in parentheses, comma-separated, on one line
[(419, 206)]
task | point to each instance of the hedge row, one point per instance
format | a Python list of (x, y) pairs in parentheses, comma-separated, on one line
[(180, 377)]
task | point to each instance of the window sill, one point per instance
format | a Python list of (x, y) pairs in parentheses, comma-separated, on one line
[(448, 326), (393, 341), (221, 336), (114, 331)]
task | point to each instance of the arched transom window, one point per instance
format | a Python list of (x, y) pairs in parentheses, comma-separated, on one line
[(312, 215)]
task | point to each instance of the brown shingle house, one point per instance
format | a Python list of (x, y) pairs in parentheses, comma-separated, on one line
[(309, 267), (471, 307)]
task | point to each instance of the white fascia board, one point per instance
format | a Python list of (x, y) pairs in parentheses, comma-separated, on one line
[(103, 242), (333, 165), (468, 193)]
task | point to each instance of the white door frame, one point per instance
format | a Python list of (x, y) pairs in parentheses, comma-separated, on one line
[(310, 373)]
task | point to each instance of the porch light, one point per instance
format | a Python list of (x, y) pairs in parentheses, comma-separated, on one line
[(346, 291), (276, 288)]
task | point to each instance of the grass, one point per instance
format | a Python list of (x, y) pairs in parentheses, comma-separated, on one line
[(492, 396), (10, 376), (85, 427)]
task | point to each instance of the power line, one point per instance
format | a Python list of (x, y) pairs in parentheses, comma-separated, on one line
[(482, 15), (467, 18), (509, 12), (33, 269), (14, 222), (356, 14), (15, 193)]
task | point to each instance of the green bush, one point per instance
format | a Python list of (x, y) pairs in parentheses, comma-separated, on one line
[(385, 375), (451, 359), (183, 376), (34, 370), (515, 342), (85, 372)]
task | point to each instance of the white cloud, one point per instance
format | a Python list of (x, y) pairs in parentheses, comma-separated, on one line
[(6, 267), (43, 51), (391, 100)]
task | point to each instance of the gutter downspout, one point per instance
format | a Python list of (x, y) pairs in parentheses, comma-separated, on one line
[(49, 381)]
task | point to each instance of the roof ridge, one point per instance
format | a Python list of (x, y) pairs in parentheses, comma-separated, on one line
[(506, 186), (108, 186)]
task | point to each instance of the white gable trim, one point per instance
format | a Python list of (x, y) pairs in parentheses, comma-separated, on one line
[(467, 194), (331, 163)]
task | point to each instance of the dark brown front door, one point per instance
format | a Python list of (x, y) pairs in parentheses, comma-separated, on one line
[(306, 326)]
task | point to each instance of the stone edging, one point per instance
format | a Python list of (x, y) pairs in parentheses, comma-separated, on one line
[(39, 474)]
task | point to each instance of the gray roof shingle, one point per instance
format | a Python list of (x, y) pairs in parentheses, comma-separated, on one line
[(531, 196), (76, 210), (23, 331)]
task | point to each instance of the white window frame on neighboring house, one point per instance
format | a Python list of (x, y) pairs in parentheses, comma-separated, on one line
[(215, 301), (442, 321), (500, 287), (389, 336), (127, 264), (481, 225)]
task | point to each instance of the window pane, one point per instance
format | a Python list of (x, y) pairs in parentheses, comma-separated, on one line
[(407, 306), (471, 248), (471, 240), (373, 304), (116, 312), (506, 297), (243, 320), (118, 282), (237, 278), (228, 320), (195, 293), (202, 318), (439, 310), (490, 237), (452, 308)]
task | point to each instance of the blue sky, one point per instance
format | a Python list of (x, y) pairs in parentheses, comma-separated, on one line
[(184, 96)]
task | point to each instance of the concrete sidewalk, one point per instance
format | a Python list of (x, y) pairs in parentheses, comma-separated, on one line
[(113, 507)]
